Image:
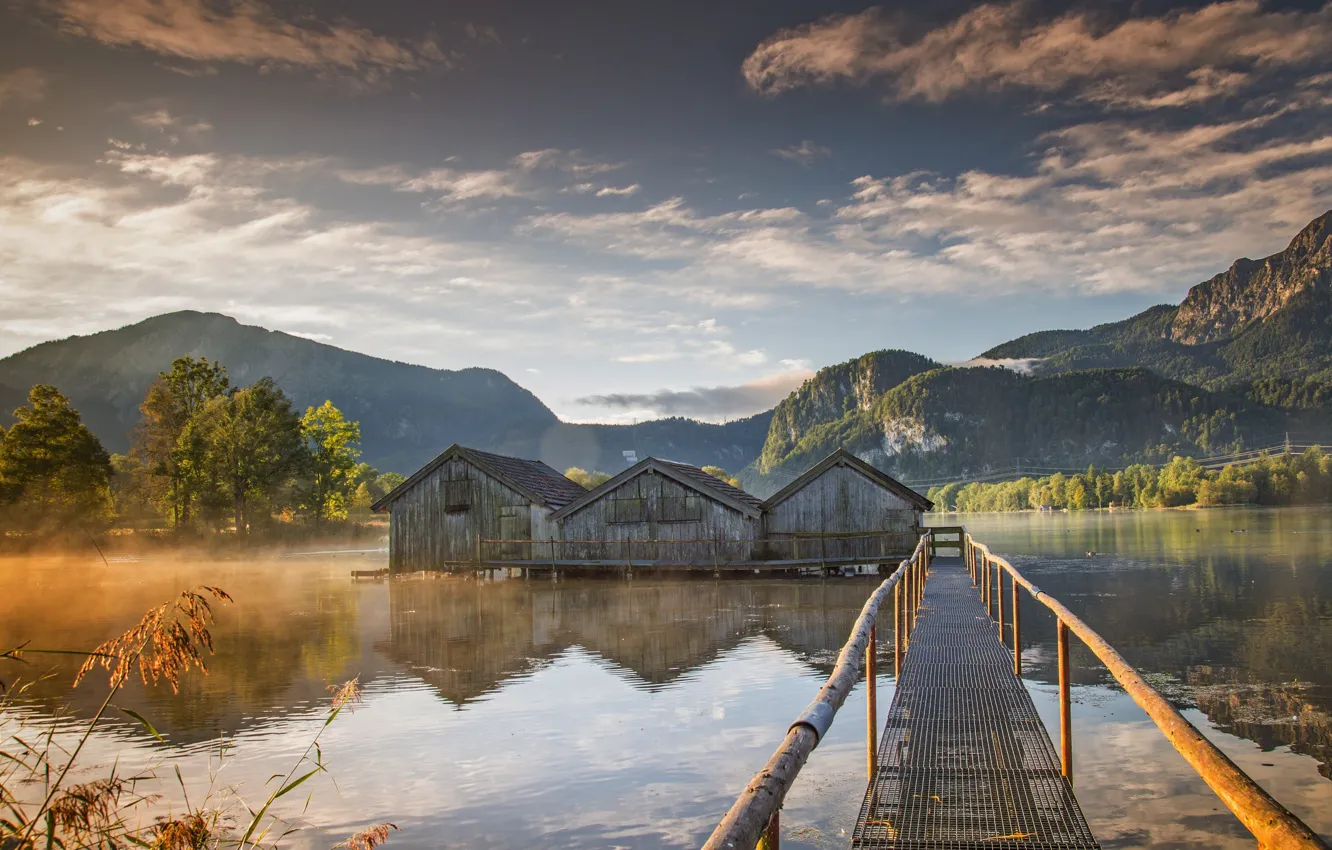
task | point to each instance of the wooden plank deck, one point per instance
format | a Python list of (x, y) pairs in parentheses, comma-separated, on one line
[(965, 761)]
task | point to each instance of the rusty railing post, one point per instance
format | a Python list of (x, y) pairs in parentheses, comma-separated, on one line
[(999, 602), (1065, 709), (1017, 632), (772, 833), (871, 702), (897, 630)]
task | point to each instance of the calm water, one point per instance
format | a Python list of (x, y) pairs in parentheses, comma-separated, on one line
[(606, 713)]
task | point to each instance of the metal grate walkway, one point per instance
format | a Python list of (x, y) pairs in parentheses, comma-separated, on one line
[(965, 761)]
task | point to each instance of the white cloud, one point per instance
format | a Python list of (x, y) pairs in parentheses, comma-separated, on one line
[(23, 85), (993, 46), (618, 191), (803, 153), (172, 127), (248, 33)]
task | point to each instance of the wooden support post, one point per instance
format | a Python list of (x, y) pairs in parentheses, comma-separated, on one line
[(772, 833), (1065, 706), (1017, 632), (999, 602), (871, 702), (898, 635)]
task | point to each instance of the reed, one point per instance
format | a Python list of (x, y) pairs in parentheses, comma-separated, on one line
[(170, 640)]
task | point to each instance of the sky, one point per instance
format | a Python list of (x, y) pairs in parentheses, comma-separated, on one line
[(649, 208)]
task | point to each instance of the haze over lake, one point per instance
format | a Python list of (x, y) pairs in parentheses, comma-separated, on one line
[(595, 713)]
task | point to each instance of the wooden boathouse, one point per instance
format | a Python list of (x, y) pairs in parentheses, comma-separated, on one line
[(660, 511), (464, 496), (842, 507), (471, 509)]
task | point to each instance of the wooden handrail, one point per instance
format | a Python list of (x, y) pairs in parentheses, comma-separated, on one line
[(1270, 822), (752, 811)]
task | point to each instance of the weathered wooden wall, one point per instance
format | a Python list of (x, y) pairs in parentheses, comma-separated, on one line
[(841, 500), (424, 533), (729, 534)]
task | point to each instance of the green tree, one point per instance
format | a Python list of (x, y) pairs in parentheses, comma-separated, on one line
[(53, 471), (718, 472), (583, 478), (253, 443), (173, 463), (330, 446)]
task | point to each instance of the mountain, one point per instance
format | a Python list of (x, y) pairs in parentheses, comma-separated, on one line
[(1268, 318), (408, 413), (960, 422)]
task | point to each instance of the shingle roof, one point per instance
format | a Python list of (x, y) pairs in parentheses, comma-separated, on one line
[(689, 476), (556, 490), (704, 481), (532, 478)]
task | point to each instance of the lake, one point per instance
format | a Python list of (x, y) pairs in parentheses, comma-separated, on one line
[(629, 713)]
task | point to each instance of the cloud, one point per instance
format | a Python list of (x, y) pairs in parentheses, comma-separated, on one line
[(706, 403), (620, 191), (996, 46), (803, 153), (520, 179), (24, 85), (172, 127), (247, 32)]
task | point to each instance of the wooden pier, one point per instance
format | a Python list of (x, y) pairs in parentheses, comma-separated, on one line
[(965, 761)]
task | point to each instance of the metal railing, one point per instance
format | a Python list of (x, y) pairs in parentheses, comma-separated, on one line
[(753, 819), (1270, 822)]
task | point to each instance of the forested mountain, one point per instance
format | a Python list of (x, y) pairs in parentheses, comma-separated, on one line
[(407, 413), (963, 421), (1264, 318)]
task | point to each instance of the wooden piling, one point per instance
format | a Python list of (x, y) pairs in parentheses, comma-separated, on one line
[(897, 631), (772, 833), (999, 603), (871, 702), (1017, 632), (1065, 705)]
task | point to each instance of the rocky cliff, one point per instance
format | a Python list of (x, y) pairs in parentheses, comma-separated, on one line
[(1252, 290)]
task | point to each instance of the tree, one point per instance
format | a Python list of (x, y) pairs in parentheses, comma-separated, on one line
[(174, 463), (53, 470), (718, 472), (330, 446), (252, 441), (587, 480)]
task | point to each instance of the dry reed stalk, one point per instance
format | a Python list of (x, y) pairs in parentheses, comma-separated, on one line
[(194, 831), (367, 839), (166, 642)]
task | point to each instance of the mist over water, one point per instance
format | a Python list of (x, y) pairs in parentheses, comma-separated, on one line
[(596, 713)]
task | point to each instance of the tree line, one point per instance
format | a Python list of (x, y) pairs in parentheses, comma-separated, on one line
[(1285, 479), (206, 455)]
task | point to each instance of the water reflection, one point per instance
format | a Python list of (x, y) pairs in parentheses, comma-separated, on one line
[(593, 713), (465, 638)]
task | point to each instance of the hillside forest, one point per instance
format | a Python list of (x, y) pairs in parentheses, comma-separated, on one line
[(1285, 479)]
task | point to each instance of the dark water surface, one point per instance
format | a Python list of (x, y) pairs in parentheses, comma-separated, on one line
[(612, 713)]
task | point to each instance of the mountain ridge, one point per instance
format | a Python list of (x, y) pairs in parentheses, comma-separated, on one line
[(408, 413)]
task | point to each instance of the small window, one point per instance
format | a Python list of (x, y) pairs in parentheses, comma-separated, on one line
[(679, 509), (457, 496), (628, 510)]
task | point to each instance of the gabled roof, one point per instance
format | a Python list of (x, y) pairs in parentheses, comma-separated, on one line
[(682, 473), (842, 457), (532, 478)]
